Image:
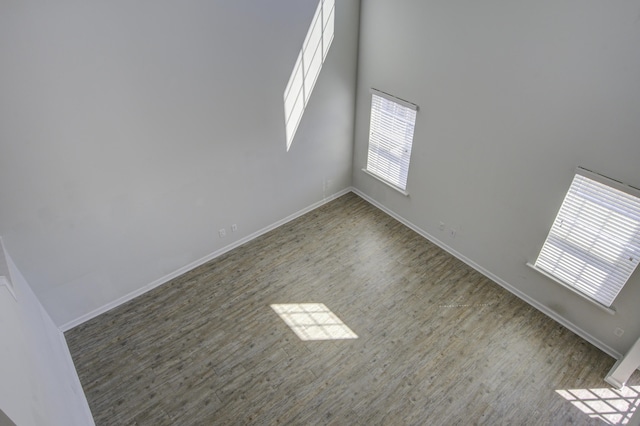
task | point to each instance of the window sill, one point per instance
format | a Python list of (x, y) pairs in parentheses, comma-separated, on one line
[(389, 184), (607, 309)]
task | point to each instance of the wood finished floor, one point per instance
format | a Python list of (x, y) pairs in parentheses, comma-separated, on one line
[(439, 344)]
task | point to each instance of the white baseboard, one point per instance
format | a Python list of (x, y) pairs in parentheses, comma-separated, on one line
[(577, 330), (613, 381), (86, 317), (545, 310)]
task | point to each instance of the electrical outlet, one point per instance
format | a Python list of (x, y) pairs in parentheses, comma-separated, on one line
[(441, 226), (234, 227), (618, 332), (452, 232), (222, 232)]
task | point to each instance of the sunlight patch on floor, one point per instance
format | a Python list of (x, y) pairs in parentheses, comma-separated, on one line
[(313, 321), (613, 406)]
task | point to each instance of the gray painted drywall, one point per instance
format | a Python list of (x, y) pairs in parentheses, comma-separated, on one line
[(131, 132), (513, 97), (5, 420), (39, 385)]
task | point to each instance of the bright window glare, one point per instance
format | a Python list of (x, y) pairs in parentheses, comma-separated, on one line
[(313, 321), (307, 68)]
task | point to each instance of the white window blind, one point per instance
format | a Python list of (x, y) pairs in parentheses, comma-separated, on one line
[(594, 243), (307, 67), (390, 138)]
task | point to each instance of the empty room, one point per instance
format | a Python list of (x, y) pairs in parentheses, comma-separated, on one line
[(319, 212)]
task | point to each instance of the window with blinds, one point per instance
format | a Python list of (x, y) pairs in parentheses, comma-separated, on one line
[(307, 68), (390, 139), (593, 246)]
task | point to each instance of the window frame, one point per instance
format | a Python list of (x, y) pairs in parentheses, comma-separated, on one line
[(376, 145), (599, 238)]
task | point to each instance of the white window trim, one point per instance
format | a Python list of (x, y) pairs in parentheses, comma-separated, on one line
[(610, 310), (389, 184), (615, 185), (397, 100), (407, 105)]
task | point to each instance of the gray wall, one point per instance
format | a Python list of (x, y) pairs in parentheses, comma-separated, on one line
[(513, 96), (131, 132), (39, 385)]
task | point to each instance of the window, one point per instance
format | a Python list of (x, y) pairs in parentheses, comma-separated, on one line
[(594, 244), (5, 275), (390, 139), (307, 68)]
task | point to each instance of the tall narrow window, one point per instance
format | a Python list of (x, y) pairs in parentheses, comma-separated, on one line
[(307, 68), (5, 275), (390, 139), (593, 246)]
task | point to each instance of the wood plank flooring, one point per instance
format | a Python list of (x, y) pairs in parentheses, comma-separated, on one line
[(438, 343)]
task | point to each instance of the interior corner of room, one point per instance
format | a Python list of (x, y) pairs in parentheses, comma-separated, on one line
[(139, 142)]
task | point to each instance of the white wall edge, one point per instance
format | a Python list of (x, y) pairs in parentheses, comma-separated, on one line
[(84, 318), (77, 388), (545, 310), (76, 378), (611, 379)]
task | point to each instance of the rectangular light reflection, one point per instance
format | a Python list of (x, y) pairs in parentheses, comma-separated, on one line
[(313, 321)]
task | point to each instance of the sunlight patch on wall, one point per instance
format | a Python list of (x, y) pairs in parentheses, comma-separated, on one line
[(308, 65), (313, 321), (612, 406)]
